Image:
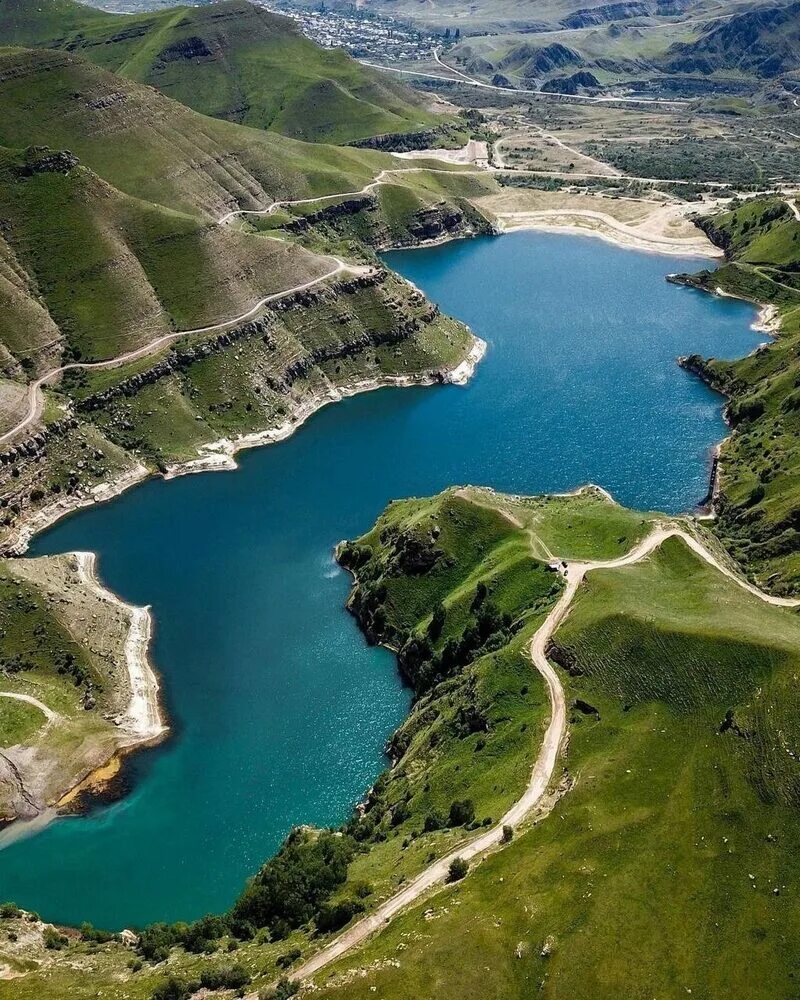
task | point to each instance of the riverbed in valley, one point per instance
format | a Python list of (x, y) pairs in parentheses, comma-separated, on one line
[(279, 710)]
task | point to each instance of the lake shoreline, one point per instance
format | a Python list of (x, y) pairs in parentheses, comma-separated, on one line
[(220, 456), (100, 784), (622, 236)]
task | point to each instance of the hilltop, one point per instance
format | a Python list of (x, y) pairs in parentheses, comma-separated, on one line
[(231, 60)]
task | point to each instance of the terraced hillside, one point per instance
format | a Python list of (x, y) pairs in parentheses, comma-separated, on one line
[(92, 273), (758, 503), (230, 60)]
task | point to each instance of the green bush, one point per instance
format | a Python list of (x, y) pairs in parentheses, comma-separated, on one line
[(231, 978), (462, 812), (171, 989), (457, 870), (333, 917), (53, 940)]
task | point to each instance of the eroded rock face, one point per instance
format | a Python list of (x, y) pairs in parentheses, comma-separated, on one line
[(43, 160), (187, 48), (582, 80), (16, 800), (537, 60), (431, 223), (764, 42), (589, 16)]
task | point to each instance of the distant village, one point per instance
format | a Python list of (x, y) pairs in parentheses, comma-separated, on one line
[(363, 35)]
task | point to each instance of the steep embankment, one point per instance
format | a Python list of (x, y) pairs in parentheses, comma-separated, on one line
[(260, 377), (76, 684), (230, 60), (757, 502)]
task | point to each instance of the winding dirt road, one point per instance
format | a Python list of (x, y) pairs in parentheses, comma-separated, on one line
[(34, 395), (545, 764), (48, 713), (380, 178)]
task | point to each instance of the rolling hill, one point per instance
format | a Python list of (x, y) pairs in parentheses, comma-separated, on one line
[(105, 272), (231, 60), (153, 148), (764, 43)]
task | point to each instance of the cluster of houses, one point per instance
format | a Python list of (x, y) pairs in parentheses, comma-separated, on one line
[(363, 35)]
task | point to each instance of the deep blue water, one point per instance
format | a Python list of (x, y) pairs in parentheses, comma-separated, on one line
[(279, 710)]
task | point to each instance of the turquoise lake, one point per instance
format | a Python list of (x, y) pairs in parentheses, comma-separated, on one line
[(279, 710)]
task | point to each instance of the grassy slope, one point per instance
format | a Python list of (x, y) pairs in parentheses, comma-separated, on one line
[(655, 874), (442, 754), (46, 652), (230, 60), (114, 273), (759, 505), (156, 149)]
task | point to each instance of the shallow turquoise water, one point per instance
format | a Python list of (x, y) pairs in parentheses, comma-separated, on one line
[(279, 710)]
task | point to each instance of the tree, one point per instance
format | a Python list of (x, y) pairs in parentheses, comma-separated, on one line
[(480, 595), (171, 989), (437, 621), (508, 833), (457, 870), (462, 812)]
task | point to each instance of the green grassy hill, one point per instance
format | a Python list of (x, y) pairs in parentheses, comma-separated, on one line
[(112, 272), (230, 60), (759, 503), (671, 865), (668, 861), (158, 150)]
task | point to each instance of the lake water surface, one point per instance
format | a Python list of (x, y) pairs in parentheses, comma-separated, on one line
[(279, 710)]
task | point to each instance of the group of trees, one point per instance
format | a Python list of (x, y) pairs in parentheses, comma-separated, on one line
[(426, 667), (291, 890), (232, 977), (462, 813), (294, 887)]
